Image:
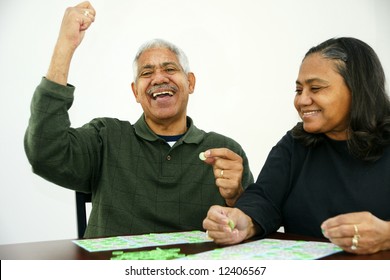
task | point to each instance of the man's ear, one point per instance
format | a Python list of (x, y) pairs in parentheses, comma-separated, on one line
[(135, 92), (191, 81)]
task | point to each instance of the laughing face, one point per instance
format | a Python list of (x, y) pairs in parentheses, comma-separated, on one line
[(162, 88), (322, 99)]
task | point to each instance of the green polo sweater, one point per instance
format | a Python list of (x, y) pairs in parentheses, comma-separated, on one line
[(139, 183)]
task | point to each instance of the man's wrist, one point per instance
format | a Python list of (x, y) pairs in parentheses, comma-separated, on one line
[(230, 202)]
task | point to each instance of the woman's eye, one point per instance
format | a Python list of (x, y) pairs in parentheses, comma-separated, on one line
[(315, 89)]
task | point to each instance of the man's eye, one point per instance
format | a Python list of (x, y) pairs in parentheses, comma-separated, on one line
[(298, 91), (145, 74), (170, 70)]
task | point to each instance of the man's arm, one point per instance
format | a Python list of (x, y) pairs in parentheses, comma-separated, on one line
[(57, 152), (75, 22)]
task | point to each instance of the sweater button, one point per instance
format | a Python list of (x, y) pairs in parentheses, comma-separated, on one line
[(169, 157)]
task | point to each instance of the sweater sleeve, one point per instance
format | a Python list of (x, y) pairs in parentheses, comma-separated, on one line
[(263, 200), (63, 155)]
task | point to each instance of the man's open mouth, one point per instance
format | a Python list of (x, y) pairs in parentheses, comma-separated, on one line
[(162, 94)]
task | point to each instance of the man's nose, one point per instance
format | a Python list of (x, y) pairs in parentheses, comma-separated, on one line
[(159, 77)]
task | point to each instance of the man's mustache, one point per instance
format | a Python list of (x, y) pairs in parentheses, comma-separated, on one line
[(162, 87)]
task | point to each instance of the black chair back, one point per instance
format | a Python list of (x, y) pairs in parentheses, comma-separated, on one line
[(81, 200)]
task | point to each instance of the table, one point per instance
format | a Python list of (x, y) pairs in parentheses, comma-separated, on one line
[(67, 250)]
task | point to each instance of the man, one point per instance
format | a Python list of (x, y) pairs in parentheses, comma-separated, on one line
[(145, 177)]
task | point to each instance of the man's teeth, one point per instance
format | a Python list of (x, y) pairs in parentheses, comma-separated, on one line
[(162, 93)]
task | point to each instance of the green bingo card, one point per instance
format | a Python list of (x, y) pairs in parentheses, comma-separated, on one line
[(270, 249), (139, 241)]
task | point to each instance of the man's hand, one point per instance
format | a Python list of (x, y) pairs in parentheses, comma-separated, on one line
[(228, 168), (75, 22)]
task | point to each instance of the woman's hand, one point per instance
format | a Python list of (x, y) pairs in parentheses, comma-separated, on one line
[(358, 233), (227, 225)]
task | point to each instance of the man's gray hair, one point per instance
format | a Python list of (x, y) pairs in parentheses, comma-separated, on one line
[(160, 43)]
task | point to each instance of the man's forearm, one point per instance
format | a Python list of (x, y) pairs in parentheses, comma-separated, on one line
[(60, 64)]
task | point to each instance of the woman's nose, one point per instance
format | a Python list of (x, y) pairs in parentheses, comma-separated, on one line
[(304, 99)]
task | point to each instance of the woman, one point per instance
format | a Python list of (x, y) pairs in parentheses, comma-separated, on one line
[(330, 175)]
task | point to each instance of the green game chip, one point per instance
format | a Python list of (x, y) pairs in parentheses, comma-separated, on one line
[(231, 224)]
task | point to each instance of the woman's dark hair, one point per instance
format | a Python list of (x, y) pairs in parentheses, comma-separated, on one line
[(369, 119)]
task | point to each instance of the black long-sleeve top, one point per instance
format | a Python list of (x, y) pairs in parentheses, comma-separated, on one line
[(300, 187)]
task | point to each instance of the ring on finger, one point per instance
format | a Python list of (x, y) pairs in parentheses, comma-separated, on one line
[(355, 242), (86, 13), (221, 174), (356, 230)]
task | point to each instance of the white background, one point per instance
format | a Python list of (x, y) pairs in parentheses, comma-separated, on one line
[(244, 53)]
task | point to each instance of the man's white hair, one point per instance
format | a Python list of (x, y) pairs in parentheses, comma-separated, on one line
[(160, 43)]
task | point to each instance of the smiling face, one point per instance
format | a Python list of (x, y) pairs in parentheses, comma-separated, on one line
[(323, 100), (162, 88)]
